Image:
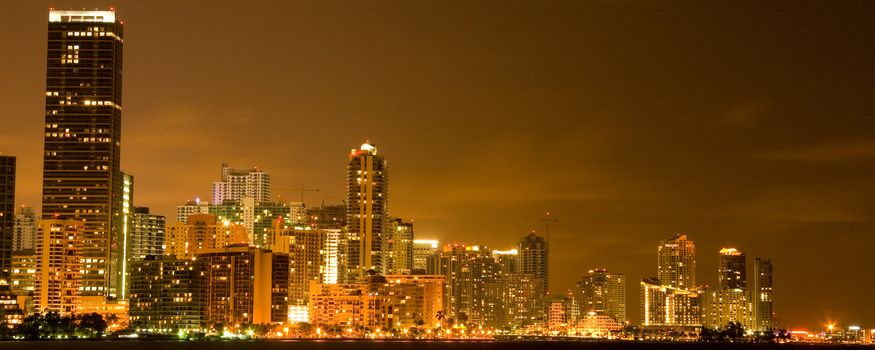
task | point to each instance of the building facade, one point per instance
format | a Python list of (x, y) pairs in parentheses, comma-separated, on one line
[(58, 278), (246, 285), (305, 248), (238, 184), (763, 295), (147, 233), (399, 247), (676, 259), (603, 293), (200, 233), (367, 210), (81, 160), (732, 270), (7, 217), (24, 232), (423, 251), (168, 294)]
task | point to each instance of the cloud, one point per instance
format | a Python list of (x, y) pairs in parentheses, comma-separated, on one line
[(829, 151)]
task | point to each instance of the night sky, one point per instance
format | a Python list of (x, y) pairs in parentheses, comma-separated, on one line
[(739, 123)]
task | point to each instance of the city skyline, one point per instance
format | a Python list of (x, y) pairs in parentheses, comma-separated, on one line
[(629, 213)]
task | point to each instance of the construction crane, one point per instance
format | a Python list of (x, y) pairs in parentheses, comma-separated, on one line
[(300, 190), (547, 220)]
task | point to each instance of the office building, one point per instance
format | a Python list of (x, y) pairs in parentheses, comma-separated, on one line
[(7, 217), (305, 248), (24, 264), (246, 285), (202, 232), (423, 251), (533, 260), (24, 232), (367, 209), (327, 216), (762, 295), (732, 269), (665, 306), (168, 294), (238, 184), (677, 262), (603, 293), (81, 159), (147, 233), (415, 299), (398, 250), (378, 302), (335, 256), (256, 217), (58, 278)]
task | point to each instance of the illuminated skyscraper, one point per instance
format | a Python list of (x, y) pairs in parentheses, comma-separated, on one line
[(58, 281), (238, 184), (604, 293), (367, 209), (146, 234), (81, 175), (677, 262), (398, 250), (423, 251), (7, 217), (732, 269), (763, 295)]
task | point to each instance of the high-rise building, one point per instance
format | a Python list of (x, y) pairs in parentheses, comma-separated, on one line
[(722, 306), (119, 257), (238, 184), (305, 248), (398, 251), (23, 271), (257, 217), (335, 256), (327, 216), (24, 233), (732, 269), (202, 232), (367, 209), (146, 233), (246, 285), (58, 281), (378, 302), (763, 295), (81, 159), (533, 260), (415, 299), (666, 306), (168, 294), (677, 262), (731, 301), (423, 251), (7, 217), (604, 293)]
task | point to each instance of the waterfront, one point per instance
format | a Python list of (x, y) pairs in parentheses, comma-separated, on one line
[(398, 345)]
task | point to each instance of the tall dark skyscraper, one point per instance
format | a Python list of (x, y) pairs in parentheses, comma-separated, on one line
[(7, 216), (81, 174), (763, 295), (732, 269), (367, 209), (533, 257)]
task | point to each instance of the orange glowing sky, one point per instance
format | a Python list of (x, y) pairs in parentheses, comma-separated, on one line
[(740, 123)]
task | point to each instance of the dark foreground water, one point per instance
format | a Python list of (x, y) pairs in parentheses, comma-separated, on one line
[(398, 345)]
